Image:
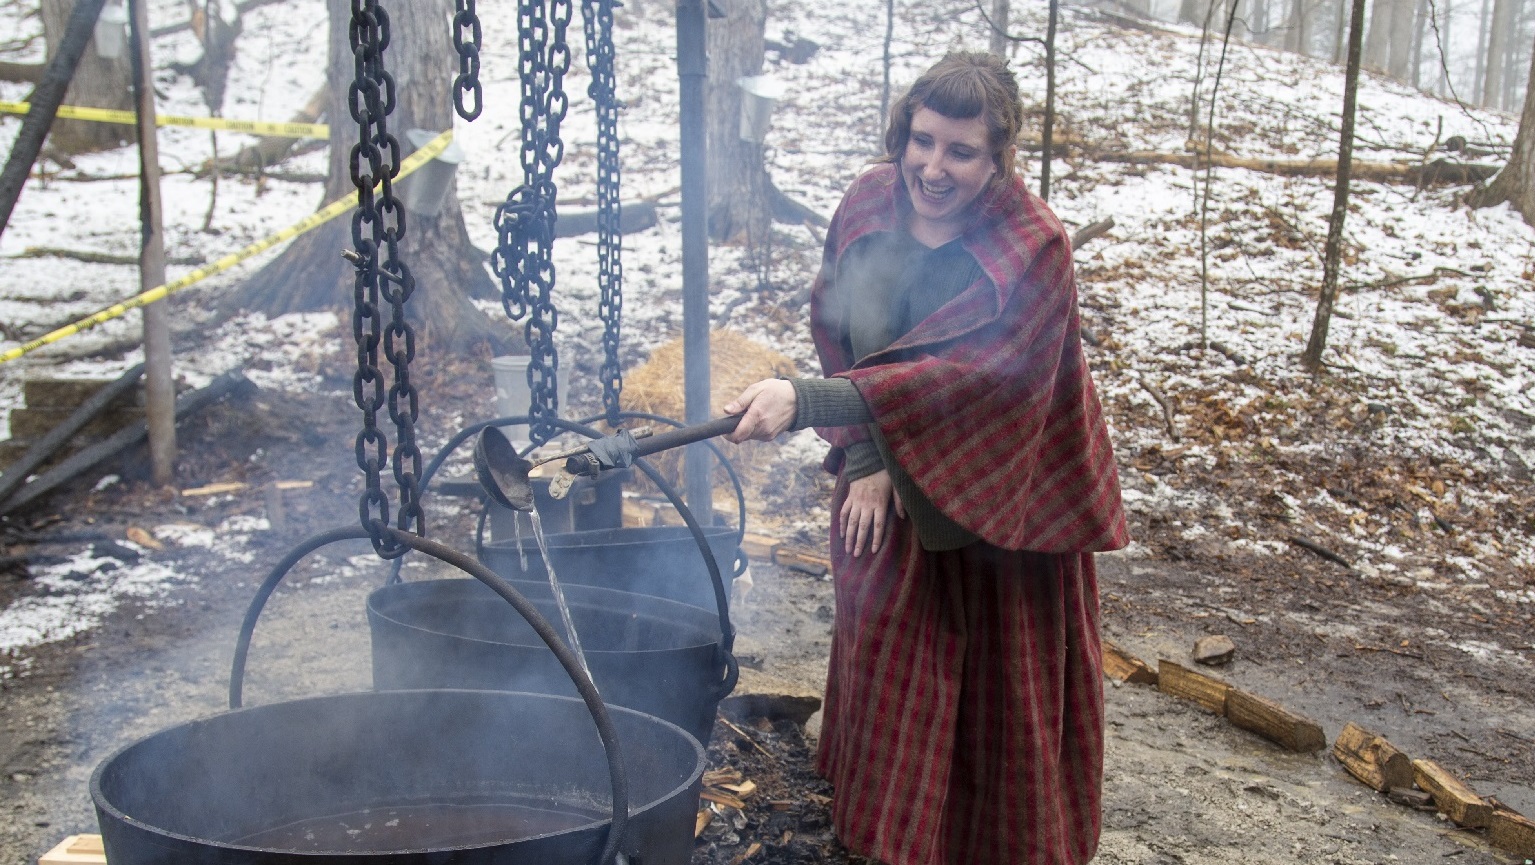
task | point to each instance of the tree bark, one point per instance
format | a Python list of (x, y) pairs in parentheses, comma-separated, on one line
[(1377, 45), (1515, 184), (738, 182), (1399, 60), (98, 83), (1000, 10), (1298, 39), (311, 274)]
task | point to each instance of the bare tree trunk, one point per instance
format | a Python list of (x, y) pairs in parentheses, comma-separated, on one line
[(1399, 58), (1333, 254), (310, 274), (1298, 36), (1377, 47), (1442, 18), (1340, 32), (1255, 26), (1420, 22), (999, 15), (98, 83), (1497, 52), (1515, 59), (1515, 184), (738, 184)]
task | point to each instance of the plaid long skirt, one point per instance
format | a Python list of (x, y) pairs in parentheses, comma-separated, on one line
[(963, 719)]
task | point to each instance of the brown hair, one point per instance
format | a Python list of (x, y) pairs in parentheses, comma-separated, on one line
[(964, 84)]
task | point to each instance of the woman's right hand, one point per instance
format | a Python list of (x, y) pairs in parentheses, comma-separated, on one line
[(767, 409), (865, 517)]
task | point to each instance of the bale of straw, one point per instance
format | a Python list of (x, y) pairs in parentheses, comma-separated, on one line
[(656, 386)]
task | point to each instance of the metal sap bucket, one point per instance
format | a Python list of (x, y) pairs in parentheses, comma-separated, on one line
[(660, 561), (652, 655)]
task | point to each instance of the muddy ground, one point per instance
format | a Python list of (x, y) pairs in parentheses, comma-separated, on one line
[(1439, 674)]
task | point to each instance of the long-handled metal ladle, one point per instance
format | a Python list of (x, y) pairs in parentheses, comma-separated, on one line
[(505, 474)]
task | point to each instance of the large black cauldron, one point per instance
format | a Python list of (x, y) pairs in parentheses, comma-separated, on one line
[(655, 656), (398, 777), (660, 561)]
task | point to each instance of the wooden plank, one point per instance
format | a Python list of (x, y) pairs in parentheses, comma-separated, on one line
[(1121, 666), (1372, 759), (759, 548), (1451, 795), (76, 850), (216, 489), (1513, 833), (812, 563), (1178, 680), (1274, 722)]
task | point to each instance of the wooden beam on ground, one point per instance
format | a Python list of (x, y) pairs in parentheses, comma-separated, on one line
[(1372, 759), (811, 563), (759, 548), (1512, 832), (1121, 666), (1274, 722), (1452, 796), (1175, 679)]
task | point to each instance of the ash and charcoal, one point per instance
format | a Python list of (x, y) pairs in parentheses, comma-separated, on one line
[(784, 816)]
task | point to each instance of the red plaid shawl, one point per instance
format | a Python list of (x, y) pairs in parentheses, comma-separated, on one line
[(987, 403)]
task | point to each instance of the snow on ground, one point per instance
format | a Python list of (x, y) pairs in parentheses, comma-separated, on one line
[(1427, 402)]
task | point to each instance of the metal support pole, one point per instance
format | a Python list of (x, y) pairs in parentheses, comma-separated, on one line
[(159, 385), (693, 72)]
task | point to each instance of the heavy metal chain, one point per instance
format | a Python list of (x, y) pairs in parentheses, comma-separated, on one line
[(466, 41), (598, 18), (525, 221), (378, 225)]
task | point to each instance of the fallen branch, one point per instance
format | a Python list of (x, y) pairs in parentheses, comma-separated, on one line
[(1320, 550), (21, 73), (1167, 408), (271, 149), (230, 383), (90, 257), (1439, 171), (1089, 232), (1407, 280)]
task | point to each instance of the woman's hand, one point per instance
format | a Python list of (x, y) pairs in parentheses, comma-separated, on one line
[(866, 513), (767, 409)]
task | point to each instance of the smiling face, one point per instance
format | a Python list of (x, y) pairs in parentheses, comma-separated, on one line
[(946, 164)]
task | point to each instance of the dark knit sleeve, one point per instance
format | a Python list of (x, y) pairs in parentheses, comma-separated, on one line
[(862, 459), (828, 402)]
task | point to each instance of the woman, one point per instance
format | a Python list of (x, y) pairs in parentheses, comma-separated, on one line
[(964, 705)]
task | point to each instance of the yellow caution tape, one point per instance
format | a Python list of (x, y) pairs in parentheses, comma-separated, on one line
[(433, 148), (254, 127)]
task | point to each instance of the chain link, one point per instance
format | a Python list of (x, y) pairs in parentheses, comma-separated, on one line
[(466, 41), (378, 226), (598, 18), (524, 255)]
